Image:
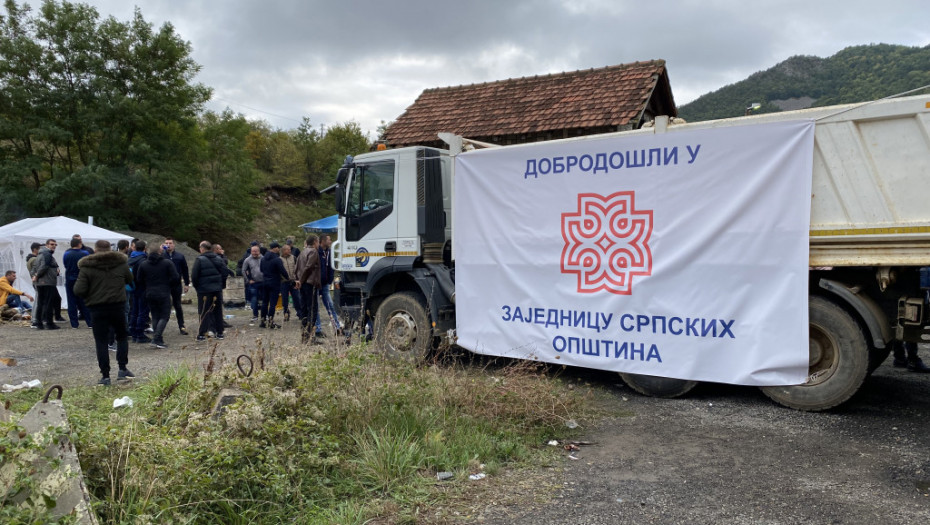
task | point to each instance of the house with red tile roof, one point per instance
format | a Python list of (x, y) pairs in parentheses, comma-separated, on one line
[(532, 109)]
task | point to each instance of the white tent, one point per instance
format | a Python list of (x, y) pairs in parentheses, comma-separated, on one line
[(17, 237)]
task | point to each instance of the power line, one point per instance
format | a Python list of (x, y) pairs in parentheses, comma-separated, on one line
[(256, 109)]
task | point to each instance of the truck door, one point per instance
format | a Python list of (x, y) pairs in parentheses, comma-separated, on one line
[(371, 224)]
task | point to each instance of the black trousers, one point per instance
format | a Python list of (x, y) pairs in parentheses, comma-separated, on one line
[(161, 311), (111, 316), (270, 294), (46, 298), (176, 303), (309, 302), (210, 310)]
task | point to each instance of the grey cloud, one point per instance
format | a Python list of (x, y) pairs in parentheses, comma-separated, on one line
[(368, 60)]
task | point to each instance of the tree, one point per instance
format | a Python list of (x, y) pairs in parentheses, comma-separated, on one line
[(226, 198), (97, 117), (330, 153)]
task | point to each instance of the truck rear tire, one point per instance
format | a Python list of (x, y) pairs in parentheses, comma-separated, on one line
[(402, 327), (654, 386), (839, 361)]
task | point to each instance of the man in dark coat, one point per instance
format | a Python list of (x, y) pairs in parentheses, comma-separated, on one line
[(274, 274), (180, 264), (209, 278), (157, 276), (46, 284), (102, 281)]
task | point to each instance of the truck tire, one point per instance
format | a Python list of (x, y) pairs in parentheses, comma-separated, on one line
[(402, 327), (839, 361), (654, 386)]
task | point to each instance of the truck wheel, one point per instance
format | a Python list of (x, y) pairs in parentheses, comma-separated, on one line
[(655, 386), (839, 361), (402, 327)]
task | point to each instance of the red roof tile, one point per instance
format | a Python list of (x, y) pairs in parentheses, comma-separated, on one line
[(610, 97)]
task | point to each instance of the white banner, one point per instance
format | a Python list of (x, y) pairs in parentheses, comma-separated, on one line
[(681, 254)]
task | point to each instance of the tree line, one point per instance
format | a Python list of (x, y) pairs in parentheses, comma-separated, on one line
[(104, 117)]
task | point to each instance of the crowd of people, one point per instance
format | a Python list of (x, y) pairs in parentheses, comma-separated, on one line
[(127, 293)]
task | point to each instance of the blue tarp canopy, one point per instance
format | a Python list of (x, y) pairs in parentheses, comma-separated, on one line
[(325, 225)]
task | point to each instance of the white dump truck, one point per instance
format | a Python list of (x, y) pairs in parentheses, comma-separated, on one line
[(869, 238)]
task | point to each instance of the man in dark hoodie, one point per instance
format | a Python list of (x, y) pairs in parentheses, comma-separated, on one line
[(274, 273), (76, 306), (209, 278), (157, 276), (102, 281), (139, 309)]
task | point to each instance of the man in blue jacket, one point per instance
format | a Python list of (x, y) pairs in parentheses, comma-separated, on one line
[(76, 306), (274, 273)]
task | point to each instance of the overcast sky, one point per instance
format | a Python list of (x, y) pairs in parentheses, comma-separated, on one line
[(280, 60)]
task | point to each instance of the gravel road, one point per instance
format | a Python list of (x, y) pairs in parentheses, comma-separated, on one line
[(723, 454), (729, 455)]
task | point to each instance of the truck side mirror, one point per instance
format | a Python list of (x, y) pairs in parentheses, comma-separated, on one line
[(340, 199)]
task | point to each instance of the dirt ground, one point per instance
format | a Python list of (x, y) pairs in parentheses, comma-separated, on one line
[(67, 356), (722, 454)]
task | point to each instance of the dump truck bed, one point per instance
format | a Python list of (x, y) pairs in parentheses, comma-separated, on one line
[(870, 196)]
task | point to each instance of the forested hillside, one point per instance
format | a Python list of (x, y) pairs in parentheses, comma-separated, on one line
[(103, 117), (855, 74)]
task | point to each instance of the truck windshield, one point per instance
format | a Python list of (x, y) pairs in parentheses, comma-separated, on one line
[(370, 198)]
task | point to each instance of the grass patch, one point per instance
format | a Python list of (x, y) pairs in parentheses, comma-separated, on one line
[(316, 438)]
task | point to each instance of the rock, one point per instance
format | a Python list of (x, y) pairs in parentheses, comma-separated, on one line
[(56, 471), (226, 397)]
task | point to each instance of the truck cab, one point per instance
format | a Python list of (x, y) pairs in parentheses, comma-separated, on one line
[(394, 249)]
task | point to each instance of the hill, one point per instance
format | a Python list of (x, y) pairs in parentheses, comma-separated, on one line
[(855, 74)]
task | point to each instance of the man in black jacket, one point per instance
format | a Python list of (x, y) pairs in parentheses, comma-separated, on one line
[(209, 278), (157, 276), (180, 264), (102, 281), (274, 273)]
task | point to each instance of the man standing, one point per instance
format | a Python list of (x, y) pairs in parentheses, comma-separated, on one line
[(295, 251), (76, 305), (308, 282), (157, 276), (327, 275), (46, 283), (209, 278), (11, 296), (288, 288), (102, 283), (252, 270), (139, 310), (274, 274), (180, 264)]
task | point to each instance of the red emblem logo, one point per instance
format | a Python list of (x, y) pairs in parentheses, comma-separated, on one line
[(607, 242)]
